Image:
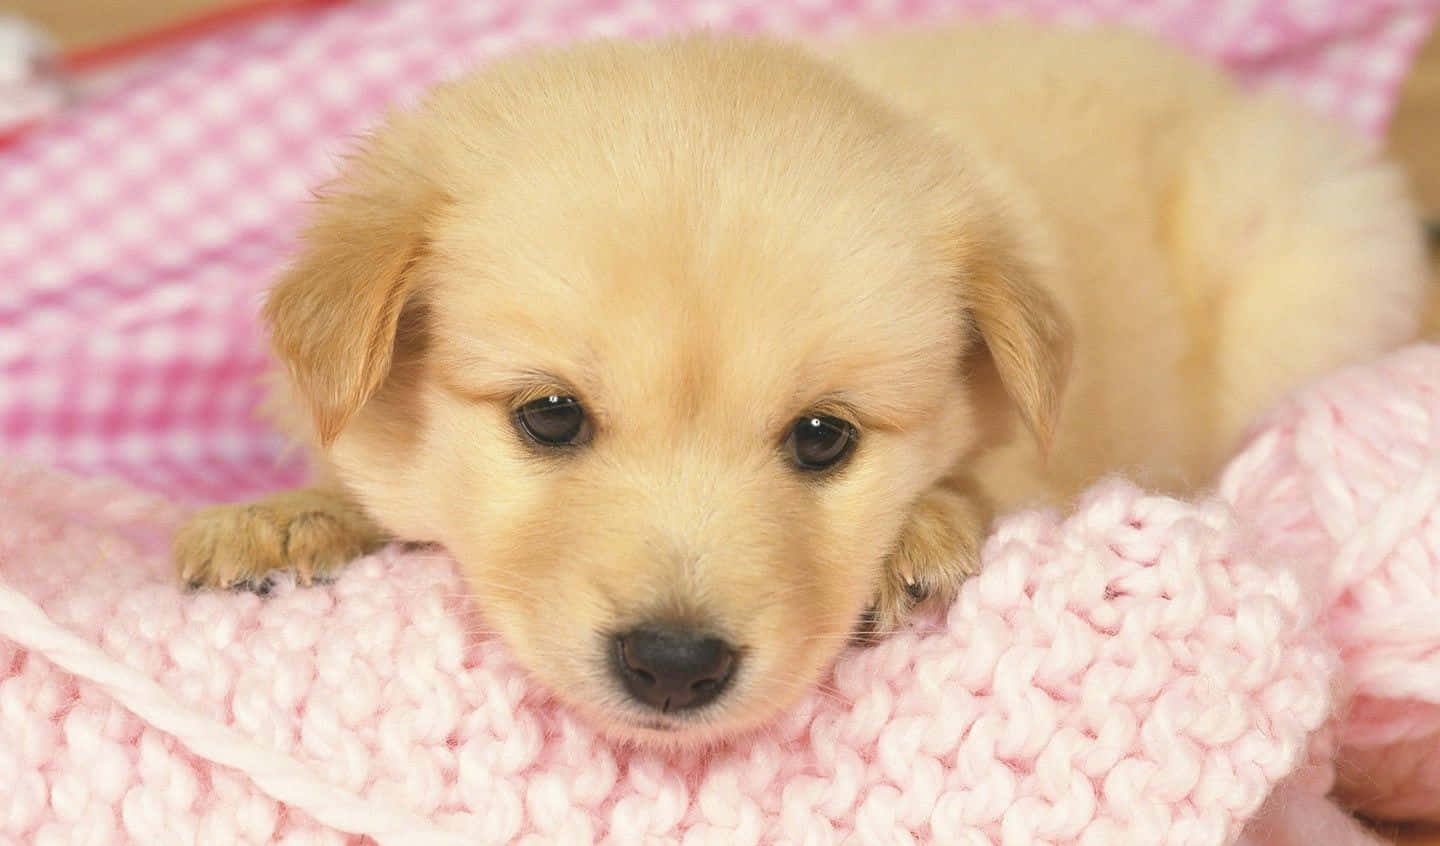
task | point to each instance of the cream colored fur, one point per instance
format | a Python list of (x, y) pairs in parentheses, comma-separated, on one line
[(1014, 259)]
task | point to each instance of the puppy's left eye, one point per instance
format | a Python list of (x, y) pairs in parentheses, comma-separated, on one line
[(819, 443), (554, 421)]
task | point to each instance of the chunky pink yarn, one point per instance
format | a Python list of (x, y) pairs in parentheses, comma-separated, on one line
[(1142, 671), (1342, 486)]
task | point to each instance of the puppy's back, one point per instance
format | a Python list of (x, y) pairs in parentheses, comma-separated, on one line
[(1213, 248)]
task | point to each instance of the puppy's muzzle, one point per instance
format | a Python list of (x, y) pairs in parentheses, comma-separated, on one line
[(673, 669)]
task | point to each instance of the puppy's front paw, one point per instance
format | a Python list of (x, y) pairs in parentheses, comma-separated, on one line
[(939, 549), (312, 532)]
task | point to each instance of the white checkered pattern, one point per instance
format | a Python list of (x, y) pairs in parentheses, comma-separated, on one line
[(138, 230)]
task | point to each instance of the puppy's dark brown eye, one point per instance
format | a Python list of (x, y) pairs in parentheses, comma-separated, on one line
[(554, 421), (819, 443)]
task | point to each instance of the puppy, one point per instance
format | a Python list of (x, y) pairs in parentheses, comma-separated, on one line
[(700, 354)]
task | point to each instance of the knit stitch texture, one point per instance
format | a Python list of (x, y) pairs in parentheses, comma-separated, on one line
[(1141, 671)]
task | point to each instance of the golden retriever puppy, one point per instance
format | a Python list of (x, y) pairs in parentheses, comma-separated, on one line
[(700, 354)]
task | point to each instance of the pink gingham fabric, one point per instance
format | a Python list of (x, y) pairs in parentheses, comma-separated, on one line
[(138, 231)]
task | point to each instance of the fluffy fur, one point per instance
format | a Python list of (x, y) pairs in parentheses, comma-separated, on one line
[(1014, 259)]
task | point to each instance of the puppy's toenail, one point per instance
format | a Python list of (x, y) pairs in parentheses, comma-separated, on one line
[(867, 628), (262, 587)]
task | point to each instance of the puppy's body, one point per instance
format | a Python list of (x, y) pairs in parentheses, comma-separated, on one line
[(1007, 260), (1210, 250)]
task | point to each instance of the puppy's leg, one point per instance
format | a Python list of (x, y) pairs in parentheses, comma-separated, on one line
[(939, 549), (313, 531)]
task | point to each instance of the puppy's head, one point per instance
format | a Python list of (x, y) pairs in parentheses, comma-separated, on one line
[(662, 341)]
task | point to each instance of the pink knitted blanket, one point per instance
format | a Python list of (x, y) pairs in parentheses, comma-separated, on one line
[(1142, 671)]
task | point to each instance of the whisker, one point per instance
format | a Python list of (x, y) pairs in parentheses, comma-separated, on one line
[(823, 688)]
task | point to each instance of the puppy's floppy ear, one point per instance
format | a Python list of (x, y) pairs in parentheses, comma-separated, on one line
[(1020, 327), (334, 315)]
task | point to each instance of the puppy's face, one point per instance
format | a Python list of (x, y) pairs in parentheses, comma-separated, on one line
[(661, 342)]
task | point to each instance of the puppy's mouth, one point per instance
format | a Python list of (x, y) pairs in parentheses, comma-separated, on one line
[(653, 724), (688, 729)]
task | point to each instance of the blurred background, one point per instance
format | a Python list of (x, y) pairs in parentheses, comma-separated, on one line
[(88, 27)]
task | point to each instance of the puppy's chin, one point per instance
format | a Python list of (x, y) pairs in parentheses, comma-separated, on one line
[(771, 678), (753, 708), (678, 733)]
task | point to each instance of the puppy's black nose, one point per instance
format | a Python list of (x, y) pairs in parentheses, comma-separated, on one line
[(672, 669)]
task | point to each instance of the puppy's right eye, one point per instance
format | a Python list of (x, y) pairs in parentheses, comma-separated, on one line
[(819, 443), (554, 421)]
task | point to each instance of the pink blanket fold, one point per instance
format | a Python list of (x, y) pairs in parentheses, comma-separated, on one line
[(1141, 671)]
